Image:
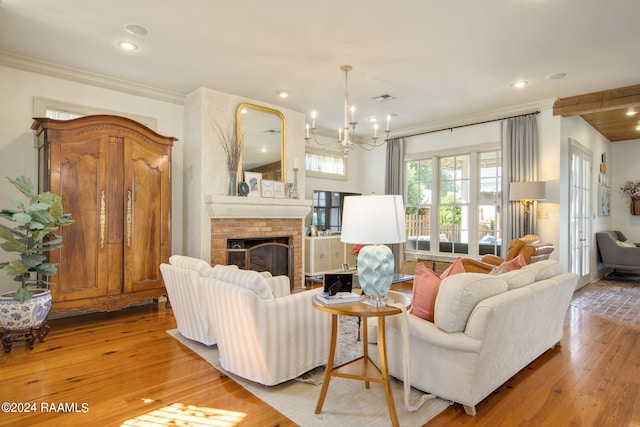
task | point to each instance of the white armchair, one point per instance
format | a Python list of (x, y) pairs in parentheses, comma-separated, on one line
[(184, 290), (261, 338)]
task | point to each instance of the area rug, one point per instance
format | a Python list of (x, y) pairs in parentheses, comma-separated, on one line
[(347, 402), (615, 300)]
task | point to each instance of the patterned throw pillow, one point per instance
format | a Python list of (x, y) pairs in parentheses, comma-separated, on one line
[(426, 285)]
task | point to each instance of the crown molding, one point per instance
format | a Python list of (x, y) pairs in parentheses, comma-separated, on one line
[(80, 76), (485, 116)]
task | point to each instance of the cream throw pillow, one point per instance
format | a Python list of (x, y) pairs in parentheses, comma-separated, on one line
[(518, 278), (625, 244), (544, 269), (459, 294)]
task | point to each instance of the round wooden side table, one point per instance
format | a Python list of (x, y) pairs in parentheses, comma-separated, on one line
[(362, 368)]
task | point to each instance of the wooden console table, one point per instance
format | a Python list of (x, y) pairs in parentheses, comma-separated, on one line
[(363, 368)]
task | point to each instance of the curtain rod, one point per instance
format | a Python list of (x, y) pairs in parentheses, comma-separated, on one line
[(451, 128)]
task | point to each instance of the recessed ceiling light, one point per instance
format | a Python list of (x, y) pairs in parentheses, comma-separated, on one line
[(136, 30), (631, 112), (519, 84), (283, 94), (556, 76), (126, 45)]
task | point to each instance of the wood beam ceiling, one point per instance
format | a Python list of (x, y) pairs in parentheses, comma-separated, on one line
[(606, 111)]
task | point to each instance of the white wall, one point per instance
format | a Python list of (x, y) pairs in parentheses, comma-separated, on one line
[(550, 172), (19, 157), (625, 155)]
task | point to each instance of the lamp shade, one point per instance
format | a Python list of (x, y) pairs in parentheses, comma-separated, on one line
[(373, 220), (527, 190)]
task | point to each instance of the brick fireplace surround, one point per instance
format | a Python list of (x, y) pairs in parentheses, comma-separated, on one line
[(223, 229), (248, 217)]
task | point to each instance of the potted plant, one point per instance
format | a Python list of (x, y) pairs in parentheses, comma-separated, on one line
[(23, 312)]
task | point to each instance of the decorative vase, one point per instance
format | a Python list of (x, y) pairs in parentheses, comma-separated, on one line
[(635, 206), (233, 183), (24, 321)]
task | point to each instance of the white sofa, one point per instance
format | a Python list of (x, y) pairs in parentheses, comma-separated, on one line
[(486, 328), (263, 332)]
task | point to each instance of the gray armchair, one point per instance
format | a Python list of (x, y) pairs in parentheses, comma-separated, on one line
[(616, 255)]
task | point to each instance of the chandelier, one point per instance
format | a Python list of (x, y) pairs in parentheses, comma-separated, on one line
[(347, 133)]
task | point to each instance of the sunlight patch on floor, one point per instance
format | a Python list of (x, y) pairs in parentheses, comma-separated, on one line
[(179, 414)]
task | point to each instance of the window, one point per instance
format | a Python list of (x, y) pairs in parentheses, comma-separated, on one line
[(327, 209), (455, 205), (325, 165), (489, 203), (419, 189), (59, 110)]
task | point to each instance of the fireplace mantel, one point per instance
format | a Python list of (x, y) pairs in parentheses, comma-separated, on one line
[(219, 206)]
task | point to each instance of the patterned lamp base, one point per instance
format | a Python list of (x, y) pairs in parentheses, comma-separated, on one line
[(375, 273)]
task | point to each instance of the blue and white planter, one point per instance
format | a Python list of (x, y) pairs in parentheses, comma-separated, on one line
[(16, 315)]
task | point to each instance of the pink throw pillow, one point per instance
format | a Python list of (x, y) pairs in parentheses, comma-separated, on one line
[(515, 264), (456, 267), (426, 285)]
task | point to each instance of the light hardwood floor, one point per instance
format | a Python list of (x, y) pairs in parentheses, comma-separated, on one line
[(111, 368)]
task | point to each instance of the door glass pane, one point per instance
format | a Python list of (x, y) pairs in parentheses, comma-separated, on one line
[(418, 196), (490, 203), (453, 214), (580, 212)]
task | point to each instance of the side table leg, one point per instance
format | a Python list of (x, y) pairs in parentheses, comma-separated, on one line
[(384, 369), (365, 340), (332, 353)]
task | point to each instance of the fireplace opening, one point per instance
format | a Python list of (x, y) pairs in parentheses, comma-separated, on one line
[(274, 254)]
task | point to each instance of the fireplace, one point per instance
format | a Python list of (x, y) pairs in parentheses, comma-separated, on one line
[(263, 254), (267, 220)]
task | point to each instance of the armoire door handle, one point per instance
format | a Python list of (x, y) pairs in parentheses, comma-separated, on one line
[(103, 219), (129, 218)]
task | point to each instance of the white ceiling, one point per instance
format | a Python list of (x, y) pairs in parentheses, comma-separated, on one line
[(441, 60)]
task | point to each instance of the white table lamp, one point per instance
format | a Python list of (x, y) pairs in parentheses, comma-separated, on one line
[(374, 221)]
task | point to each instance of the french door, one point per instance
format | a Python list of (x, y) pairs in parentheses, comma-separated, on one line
[(580, 211)]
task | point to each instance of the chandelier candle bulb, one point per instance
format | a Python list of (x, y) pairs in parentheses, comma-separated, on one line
[(307, 130), (296, 163), (388, 120)]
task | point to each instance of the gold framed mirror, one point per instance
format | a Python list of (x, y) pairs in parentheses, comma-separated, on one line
[(264, 141)]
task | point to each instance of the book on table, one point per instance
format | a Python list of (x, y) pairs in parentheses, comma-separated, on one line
[(340, 297)]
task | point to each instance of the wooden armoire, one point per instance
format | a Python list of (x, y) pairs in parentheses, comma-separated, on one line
[(114, 176)]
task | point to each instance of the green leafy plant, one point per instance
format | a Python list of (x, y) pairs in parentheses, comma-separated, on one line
[(34, 234)]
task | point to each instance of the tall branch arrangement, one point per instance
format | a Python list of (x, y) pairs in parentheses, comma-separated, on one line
[(231, 143)]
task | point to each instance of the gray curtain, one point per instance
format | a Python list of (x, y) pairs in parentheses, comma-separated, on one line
[(393, 184), (521, 135)]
